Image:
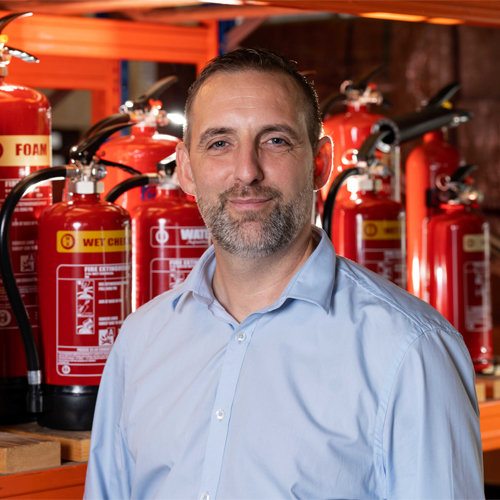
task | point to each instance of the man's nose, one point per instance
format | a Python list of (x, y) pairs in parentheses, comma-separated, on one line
[(248, 168)]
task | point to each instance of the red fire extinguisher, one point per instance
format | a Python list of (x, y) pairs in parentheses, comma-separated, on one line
[(84, 268), (458, 266), (366, 227), (144, 147), (25, 127), (169, 235), (426, 166), (349, 130)]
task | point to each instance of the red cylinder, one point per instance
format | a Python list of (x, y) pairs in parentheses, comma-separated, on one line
[(142, 150), (348, 132), (85, 278), (426, 163), (370, 231), (458, 277), (169, 237), (25, 126)]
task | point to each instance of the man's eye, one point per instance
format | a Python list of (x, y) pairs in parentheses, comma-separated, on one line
[(277, 140), (219, 144)]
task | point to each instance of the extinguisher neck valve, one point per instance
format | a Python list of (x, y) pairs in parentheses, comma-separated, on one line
[(358, 183), (86, 187)]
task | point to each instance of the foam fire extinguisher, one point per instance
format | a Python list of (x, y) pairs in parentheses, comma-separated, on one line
[(169, 235), (458, 265), (426, 166), (349, 130), (366, 227), (25, 127), (144, 147), (84, 267)]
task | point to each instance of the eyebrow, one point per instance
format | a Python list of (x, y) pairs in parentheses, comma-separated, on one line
[(214, 131)]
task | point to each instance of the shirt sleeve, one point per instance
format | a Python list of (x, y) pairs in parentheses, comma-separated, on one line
[(431, 439), (110, 467)]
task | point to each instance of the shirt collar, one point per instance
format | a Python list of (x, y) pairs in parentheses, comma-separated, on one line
[(313, 282)]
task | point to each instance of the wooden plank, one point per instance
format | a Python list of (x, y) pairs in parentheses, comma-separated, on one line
[(492, 385), (75, 445), (25, 453), (480, 392), (64, 482)]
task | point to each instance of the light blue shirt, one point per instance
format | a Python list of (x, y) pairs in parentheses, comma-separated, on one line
[(346, 387)]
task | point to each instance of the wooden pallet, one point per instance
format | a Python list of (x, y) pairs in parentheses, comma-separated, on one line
[(25, 453), (75, 445)]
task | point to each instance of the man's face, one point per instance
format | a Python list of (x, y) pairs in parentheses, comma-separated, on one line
[(251, 163)]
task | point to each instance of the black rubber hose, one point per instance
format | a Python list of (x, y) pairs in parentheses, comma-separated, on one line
[(125, 168), (332, 195), (126, 185), (9, 279), (367, 149)]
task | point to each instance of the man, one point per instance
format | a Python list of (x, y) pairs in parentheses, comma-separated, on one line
[(278, 370)]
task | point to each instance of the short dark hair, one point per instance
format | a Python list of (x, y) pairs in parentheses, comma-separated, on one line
[(264, 61)]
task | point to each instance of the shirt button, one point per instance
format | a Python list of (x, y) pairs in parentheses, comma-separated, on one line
[(241, 336), (220, 415), (205, 496)]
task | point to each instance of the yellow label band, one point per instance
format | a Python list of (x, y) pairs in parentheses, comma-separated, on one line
[(25, 150), (381, 230), (93, 241), (474, 243)]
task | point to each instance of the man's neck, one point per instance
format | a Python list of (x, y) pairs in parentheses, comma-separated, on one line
[(243, 286)]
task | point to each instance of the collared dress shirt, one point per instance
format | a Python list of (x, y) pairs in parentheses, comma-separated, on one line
[(346, 387)]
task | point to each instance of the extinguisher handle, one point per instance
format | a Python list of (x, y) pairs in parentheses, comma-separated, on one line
[(104, 123), (86, 149), (168, 164), (21, 54), (130, 183), (154, 91), (4, 21), (461, 173), (445, 94), (9, 279), (332, 195)]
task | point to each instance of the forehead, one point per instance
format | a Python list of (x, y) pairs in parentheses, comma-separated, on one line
[(247, 94)]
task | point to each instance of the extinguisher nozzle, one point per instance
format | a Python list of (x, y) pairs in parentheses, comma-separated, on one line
[(35, 399)]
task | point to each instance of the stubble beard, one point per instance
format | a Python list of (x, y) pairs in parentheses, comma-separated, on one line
[(256, 234)]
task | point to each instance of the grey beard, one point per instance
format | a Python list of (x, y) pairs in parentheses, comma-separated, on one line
[(276, 230)]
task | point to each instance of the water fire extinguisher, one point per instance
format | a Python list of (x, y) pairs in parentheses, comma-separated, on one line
[(84, 268), (368, 228), (426, 166), (144, 147), (168, 234), (457, 265), (25, 127), (349, 130)]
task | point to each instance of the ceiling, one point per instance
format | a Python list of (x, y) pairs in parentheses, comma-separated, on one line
[(475, 12)]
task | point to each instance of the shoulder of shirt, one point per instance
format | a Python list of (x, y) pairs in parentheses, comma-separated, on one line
[(419, 315)]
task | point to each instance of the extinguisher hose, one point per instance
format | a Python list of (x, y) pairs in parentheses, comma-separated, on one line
[(10, 285), (332, 195), (130, 183)]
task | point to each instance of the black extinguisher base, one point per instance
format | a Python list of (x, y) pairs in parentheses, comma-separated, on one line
[(68, 407), (13, 394)]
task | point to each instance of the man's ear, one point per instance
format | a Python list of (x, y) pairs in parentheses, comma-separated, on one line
[(323, 160), (184, 173)]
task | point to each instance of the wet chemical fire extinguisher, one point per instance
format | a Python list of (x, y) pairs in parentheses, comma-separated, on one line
[(84, 267), (349, 129), (25, 126), (426, 166), (144, 147), (168, 234), (458, 266)]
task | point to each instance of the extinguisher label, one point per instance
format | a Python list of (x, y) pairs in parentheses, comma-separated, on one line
[(90, 311), (93, 241), (179, 237), (23, 150), (381, 230), (474, 243), (477, 296), (166, 274)]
